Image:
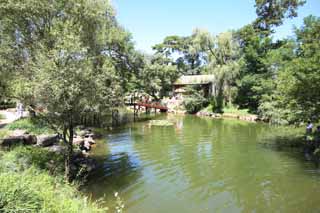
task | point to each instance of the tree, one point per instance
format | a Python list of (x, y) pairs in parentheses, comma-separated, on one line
[(75, 59), (298, 84), (222, 56), (183, 52), (157, 76), (256, 76), (271, 13)]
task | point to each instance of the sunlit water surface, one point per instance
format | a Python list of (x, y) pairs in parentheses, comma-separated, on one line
[(202, 165)]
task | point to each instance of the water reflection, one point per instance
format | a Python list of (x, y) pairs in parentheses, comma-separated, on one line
[(204, 165)]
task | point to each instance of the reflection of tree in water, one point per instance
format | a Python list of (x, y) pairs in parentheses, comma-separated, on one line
[(117, 172), (217, 159), (211, 162)]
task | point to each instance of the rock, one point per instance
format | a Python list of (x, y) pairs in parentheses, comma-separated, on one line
[(89, 140), (12, 140), (19, 140), (46, 140), (30, 139), (87, 145), (19, 132), (57, 149), (78, 141), (90, 135)]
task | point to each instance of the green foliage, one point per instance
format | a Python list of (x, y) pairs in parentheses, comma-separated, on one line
[(23, 158), (296, 94), (70, 58), (194, 101), (271, 13), (34, 191), (25, 185), (4, 133), (33, 126), (157, 76), (262, 57), (236, 111), (190, 57)]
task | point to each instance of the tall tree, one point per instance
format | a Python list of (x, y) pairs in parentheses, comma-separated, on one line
[(271, 13), (157, 76), (222, 56), (256, 42), (298, 83), (183, 52), (73, 59)]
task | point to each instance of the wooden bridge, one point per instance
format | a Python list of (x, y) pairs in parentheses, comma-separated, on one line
[(148, 106), (155, 105)]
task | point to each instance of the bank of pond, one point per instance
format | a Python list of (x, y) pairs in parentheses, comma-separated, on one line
[(175, 163)]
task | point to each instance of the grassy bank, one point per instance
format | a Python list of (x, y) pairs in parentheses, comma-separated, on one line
[(31, 181), (32, 126), (229, 111), (32, 178)]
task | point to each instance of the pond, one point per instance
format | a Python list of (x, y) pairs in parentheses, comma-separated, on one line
[(202, 165)]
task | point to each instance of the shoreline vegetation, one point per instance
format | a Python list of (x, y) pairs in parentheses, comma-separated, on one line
[(70, 64), (32, 176)]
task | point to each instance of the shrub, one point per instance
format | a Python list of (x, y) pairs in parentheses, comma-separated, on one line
[(195, 101), (26, 186), (36, 191)]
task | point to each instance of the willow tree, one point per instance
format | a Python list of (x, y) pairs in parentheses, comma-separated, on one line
[(74, 59), (222, 55)]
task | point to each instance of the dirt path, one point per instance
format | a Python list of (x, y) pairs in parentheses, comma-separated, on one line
[(9, 115)]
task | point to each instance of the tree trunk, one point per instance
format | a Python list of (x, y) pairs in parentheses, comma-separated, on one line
[(69, 154)]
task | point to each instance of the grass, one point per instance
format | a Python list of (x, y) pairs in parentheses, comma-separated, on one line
[(32, 126), (233, 110), (2, 117), (229, 110), (27, 186), (4, 133)]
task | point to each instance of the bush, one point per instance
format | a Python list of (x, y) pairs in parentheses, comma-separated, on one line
[(26, 186), (23, 158), (36, 191), (195, 101)]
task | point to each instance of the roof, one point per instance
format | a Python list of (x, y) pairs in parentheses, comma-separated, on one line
[(194, 79)]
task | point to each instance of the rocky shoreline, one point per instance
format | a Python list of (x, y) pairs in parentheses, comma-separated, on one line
[(250, 118), (83, 140)]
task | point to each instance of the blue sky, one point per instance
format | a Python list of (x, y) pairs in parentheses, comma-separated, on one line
[(150, 21)]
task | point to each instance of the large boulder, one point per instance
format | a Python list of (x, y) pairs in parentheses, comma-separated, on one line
[(12, 140), (78, 140), (30, 139), (47, 140), (18, 138), (89, 140)]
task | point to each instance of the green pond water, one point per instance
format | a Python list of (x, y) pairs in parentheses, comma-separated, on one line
[(202, 165)]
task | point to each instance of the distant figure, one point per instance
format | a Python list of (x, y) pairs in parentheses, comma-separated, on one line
[(309, 127), (19, 110)]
